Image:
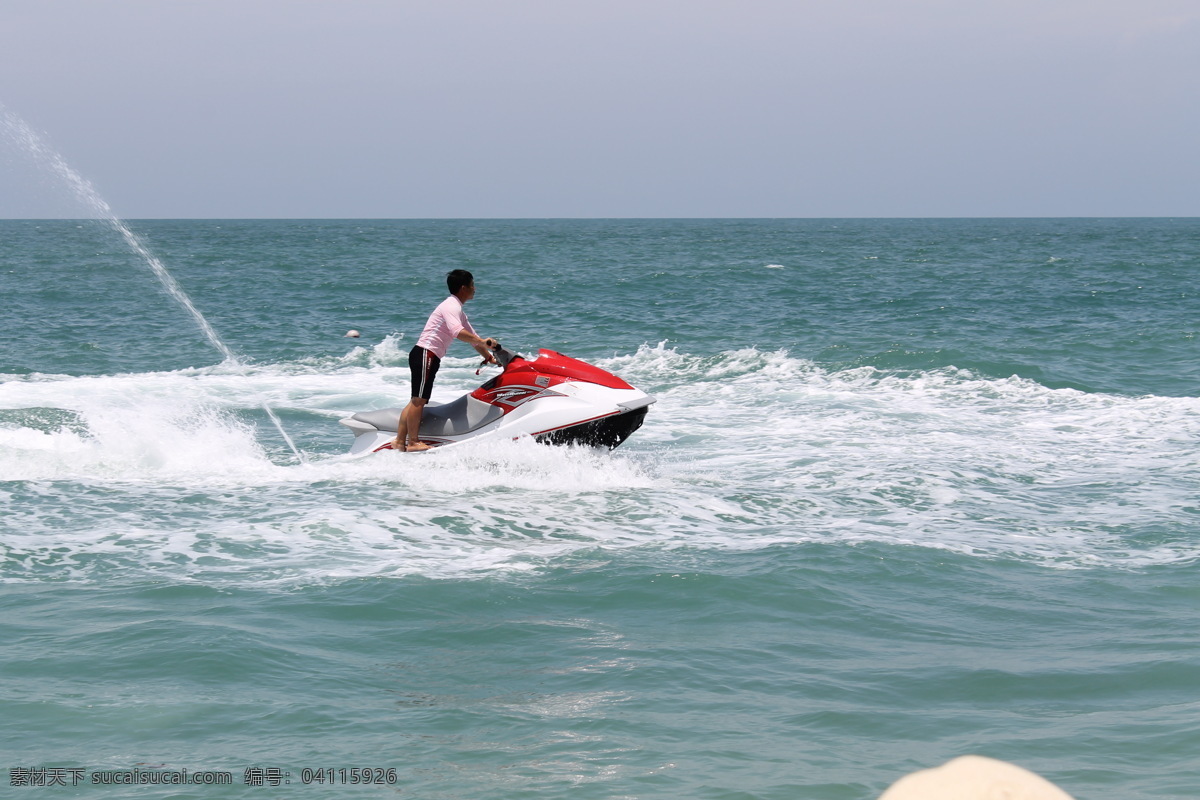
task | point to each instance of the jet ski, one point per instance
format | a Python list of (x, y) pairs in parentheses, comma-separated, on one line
[(554, 398)]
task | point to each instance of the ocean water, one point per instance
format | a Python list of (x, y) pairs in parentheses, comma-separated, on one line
[(912, 489)]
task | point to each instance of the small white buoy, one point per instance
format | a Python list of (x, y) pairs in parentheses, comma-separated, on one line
[(351, 334)]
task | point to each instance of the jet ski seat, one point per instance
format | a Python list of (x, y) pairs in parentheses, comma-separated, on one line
[(439, 419)]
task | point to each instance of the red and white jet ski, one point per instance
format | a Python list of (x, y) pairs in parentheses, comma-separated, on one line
[(553, 398)]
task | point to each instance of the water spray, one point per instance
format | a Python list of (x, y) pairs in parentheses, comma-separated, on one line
[(20, 132)]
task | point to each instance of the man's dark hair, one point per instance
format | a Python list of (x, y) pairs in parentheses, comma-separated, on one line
[(457, 279)]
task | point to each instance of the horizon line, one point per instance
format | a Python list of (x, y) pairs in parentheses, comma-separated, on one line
[(606, 218)]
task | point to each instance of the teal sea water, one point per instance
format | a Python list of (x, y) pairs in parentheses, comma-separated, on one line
[(912, 489)]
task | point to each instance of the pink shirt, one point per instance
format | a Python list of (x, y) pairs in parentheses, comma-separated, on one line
[(446, 322)]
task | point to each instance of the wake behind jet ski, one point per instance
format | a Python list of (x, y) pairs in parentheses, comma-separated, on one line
[(553, 398)]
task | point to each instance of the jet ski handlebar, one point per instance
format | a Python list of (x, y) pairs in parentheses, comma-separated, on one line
[(502, 355)]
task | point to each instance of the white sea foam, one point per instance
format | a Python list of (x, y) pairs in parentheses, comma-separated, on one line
[(744, 449)]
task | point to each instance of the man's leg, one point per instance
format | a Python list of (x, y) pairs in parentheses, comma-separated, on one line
[(424, 366), (415, 408), (411, 423), (400, 442)]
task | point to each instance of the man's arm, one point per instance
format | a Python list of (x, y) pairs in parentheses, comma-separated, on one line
[(482, 346)]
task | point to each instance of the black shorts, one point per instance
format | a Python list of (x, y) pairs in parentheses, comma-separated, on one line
[(424, 366)]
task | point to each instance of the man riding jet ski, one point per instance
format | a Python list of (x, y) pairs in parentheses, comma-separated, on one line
[(553, 398)]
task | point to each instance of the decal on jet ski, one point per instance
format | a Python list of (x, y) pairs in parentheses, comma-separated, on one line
[(513, 396)]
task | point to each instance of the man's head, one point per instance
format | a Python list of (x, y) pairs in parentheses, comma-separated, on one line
[(459, 279)]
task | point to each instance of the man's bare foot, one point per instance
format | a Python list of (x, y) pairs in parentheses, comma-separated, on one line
[(396, 444), (417, 447)]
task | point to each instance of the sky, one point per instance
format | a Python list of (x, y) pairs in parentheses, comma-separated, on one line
[(609, 108)]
